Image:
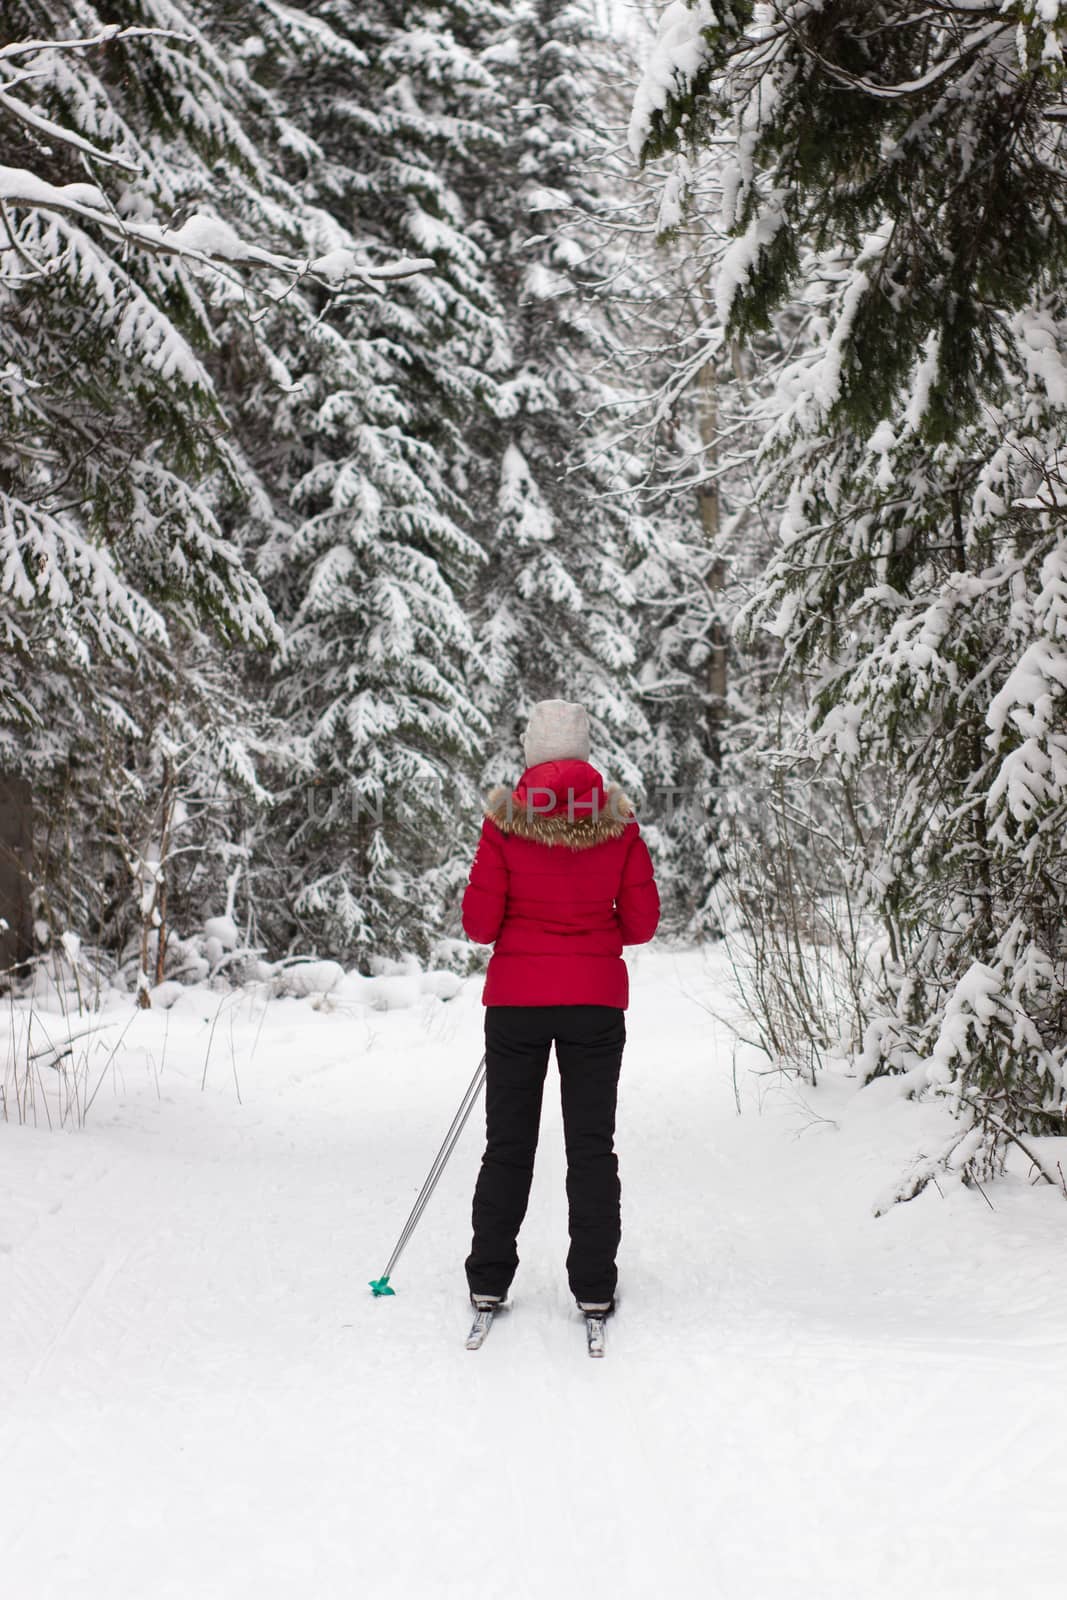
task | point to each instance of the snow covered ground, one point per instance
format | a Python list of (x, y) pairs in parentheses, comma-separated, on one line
[(202, 1399)]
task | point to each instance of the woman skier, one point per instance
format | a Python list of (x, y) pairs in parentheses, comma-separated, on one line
[(561, 881)]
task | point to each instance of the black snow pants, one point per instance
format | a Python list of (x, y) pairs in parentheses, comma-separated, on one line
[(589, 1043)]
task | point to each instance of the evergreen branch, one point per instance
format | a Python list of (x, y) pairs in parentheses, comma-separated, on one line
[(983, 1110), (45, 125), (109, 35), (33, 267), (916, 86), (220, 245), (67, 136)]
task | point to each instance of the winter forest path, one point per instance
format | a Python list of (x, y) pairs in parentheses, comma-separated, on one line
[(203, 1401)]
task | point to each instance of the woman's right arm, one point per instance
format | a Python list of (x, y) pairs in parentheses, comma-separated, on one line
[(486, 894)]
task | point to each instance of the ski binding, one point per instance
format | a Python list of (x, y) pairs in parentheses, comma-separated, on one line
[(594, 1334), (484, 1313)]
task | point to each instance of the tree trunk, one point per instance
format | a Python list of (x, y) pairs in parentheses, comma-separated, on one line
[(16, 860), (708, 411)]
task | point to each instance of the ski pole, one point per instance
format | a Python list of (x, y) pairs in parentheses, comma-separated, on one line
[(380, 1286)]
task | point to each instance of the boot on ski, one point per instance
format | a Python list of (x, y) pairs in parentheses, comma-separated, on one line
[(486, 1307), (596, 1314)]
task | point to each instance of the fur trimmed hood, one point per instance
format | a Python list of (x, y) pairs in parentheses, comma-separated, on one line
[(561, 802)]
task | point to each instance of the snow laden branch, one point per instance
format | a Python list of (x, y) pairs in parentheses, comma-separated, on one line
[(109, 35), (46, 125), (203, 239)]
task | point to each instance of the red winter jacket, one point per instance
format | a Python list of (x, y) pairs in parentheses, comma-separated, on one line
[(561, 881)]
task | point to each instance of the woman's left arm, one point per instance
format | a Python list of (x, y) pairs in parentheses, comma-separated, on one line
[(486, 895)]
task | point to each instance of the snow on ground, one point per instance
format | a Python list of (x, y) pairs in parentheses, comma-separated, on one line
[(202, 1399)]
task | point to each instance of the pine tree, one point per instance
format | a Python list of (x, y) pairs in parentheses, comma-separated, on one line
[(897, 171), (113, 470), (553, 495), (110, 418), (448, 432), (367, 563), (126, 493)]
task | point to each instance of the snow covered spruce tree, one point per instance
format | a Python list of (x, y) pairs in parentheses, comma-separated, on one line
[(129, 348), (448, 566), (551, 495), (112, 470), (361, 459), (898, 171)]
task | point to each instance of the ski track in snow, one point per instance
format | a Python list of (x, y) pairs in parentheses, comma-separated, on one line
[(202, 1399)]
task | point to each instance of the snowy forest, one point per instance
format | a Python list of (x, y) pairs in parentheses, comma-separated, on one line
[(371, 372)]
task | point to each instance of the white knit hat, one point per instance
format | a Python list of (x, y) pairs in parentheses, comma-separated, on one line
[(557, 730)]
